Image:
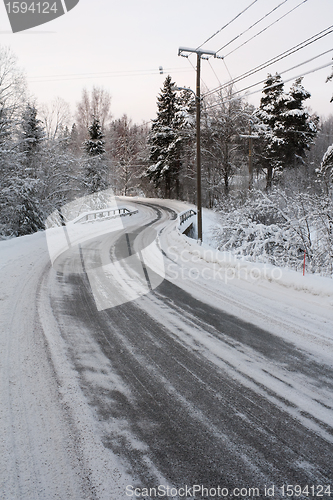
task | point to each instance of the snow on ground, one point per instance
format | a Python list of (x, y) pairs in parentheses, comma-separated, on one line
[(286, 303), (50, 445)]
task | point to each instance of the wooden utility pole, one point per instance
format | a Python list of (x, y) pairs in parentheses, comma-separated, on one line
[(250, 158), (184, 51), (198, 131), (250, 137)]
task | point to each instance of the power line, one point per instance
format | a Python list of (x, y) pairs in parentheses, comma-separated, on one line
[(226, 67), (286, 71), (277, 58), (111, 74), (252, 26), (271, 86), (265, 29), (213, 70), (223, 27), (97, 73)]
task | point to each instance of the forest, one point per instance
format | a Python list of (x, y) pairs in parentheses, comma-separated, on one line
[(268, 171)]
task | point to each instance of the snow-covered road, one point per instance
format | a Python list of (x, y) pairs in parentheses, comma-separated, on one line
[(140, 358), (38, 456)]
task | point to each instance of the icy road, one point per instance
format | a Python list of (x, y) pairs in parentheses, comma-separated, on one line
[(137, 360)]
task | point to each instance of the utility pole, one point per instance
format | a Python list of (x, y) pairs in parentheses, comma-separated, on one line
[(250, 158), (184, 51), (198, 132), (250, 137)]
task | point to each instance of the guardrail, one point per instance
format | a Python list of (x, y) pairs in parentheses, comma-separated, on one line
[(104, 214), (185, 225)]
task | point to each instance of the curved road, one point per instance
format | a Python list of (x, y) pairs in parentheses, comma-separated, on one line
[(169, 378)]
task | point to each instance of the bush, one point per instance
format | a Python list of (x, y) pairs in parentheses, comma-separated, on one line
[(278, 228)]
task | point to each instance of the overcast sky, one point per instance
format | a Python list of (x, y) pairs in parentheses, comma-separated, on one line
[(120, 45)]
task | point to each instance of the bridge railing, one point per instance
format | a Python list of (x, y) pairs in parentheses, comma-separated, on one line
[(184, 216), (104, 214), (185, 221)]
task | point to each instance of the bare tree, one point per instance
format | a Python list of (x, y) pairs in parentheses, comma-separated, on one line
[(12, 81), (56, 117), (225, 120), (97, 105), (128, 143)]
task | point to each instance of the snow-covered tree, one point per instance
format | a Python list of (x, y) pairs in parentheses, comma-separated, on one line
[(288, 129), (95, 145), (61, 174), (164, 139), (183, 150), (12, 84), (23, 190), (94, 104), (279, 227), (299, 128), (5, 124), (322, 141), (95, 177), (272, 106), (37, 171), (127, 143), (32, 137), (225, 120), (29, 216), (20, 212), (74, 143), (325, 172)]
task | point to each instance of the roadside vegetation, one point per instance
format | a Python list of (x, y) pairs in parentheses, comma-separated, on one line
[(267, 170)]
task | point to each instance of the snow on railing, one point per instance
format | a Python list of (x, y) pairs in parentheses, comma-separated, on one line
[(184, 222), (103, 214)]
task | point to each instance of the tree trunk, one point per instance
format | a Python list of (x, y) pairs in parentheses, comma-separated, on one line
[(226, 183), (269, 177)]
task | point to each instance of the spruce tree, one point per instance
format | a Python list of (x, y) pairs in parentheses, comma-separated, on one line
[(163, 139), (94, 146), (9, 160), (272, 107), (299, 127), (27, 184), (31, 139), (95, 178), (185, 121), (288, 129), (29, 217), (21, 136), (74, 141)]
